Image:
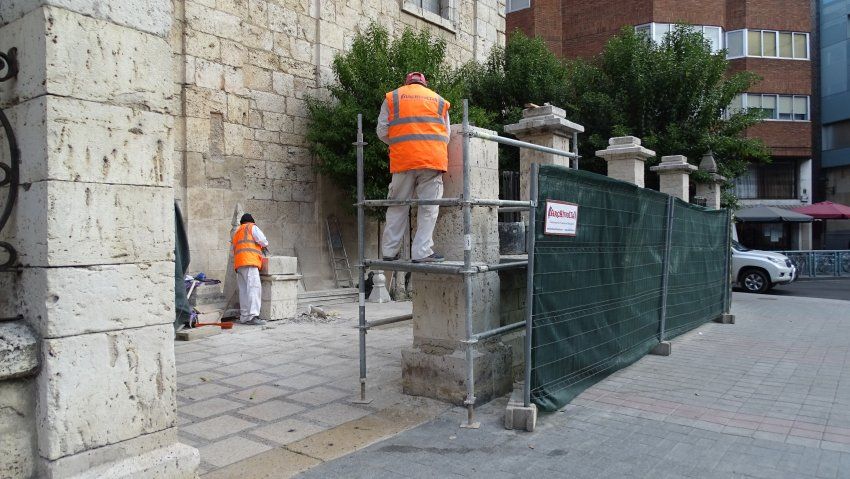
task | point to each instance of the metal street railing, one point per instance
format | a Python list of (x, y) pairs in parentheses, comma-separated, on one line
[(820, 263)]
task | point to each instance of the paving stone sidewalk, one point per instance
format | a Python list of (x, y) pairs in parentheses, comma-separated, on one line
[(253, 389), (768, 397)]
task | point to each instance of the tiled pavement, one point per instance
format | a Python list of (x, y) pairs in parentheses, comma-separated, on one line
[(244, 392), (768, 397)]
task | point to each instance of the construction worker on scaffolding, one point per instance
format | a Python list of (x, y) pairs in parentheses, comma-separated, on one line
[(414, 122), (249, 247)]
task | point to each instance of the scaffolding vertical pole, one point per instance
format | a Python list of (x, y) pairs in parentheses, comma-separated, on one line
[(467, 276), (529, 283), (665, 265), (361, 240)]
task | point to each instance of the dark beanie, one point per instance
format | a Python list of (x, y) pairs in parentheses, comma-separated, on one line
[(246, 218)]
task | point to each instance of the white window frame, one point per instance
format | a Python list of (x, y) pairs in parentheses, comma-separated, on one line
[(653, 26), (745, 40), (745, 105), (510, 8), (447, 19)]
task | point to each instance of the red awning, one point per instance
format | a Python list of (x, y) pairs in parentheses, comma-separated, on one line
[(825, 210)]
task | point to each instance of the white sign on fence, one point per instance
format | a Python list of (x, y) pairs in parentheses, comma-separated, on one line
[(561, 218)]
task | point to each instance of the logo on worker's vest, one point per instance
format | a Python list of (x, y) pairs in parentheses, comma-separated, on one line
[(561, 218)]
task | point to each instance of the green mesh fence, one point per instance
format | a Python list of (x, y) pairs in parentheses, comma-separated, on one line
[(598, 295)]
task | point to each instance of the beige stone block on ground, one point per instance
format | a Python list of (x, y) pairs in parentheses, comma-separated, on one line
[(72, 223), (279, 296), (104, 388)]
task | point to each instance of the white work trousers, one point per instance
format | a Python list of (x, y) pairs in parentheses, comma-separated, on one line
[(426, 184), (250, 291)]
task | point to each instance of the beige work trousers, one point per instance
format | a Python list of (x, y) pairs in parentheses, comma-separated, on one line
[(424, 184)]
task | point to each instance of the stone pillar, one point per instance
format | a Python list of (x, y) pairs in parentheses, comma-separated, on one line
[(94, 226), (626, 159), (674, 173), (711, 189), (435, 366), (279, 279), (545, 126)]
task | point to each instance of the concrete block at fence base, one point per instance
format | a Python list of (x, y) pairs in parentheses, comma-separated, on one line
[(725, 318), (519, 416), (664, 348), (440, 373)]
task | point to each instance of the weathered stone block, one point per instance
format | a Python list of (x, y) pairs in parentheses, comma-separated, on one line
[(148, 456), (69, 301), (439, 306), (151, 16), (17, 429), (73, 140), (130, 63), (72, 223), (441, 373), (128, 375), (18, 350), (281, 265)]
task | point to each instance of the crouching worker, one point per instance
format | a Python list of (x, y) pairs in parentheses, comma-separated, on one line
[(249, 246), (414, 122)]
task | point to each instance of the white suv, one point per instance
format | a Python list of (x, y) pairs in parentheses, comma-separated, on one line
[(758, 271)]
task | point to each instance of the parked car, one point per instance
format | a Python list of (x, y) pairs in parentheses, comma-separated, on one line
[(757, 271)]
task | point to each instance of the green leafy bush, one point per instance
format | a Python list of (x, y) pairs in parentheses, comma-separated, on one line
[(374, 65)]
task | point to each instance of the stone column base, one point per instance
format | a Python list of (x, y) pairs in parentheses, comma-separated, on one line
[(439, 373), (279, 297), (151, 455)]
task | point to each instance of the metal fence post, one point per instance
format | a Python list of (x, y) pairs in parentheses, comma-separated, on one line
[(727, 283), (362, 327), (529, 283), (665, 265)]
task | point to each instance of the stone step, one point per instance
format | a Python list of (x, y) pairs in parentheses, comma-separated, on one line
[(327, 297), (207, 294)]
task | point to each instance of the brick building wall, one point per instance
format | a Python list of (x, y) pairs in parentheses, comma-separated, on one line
[(585, 27), (243, 70)]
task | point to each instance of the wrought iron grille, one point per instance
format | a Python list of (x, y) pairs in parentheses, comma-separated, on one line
[(11, 171)]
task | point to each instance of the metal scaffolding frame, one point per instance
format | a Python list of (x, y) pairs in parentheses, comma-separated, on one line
[(466, 268)]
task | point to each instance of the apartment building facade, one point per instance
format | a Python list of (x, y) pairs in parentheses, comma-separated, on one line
[(771, 38), (834, 97)]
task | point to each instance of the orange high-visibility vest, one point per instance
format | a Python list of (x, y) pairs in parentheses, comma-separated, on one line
[(246, 251), (418, 133)]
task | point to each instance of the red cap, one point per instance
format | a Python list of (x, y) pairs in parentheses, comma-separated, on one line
[(415, 77)]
